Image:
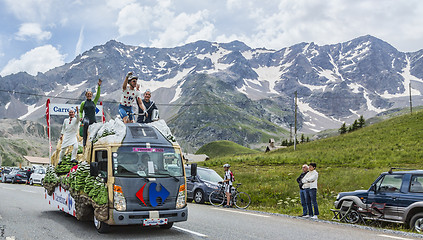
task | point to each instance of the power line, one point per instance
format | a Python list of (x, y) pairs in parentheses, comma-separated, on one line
[(111, 102)]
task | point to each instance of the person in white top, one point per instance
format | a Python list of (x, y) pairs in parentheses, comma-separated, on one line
[(129, 96), (69, 133), (310, 185), (227, 180)]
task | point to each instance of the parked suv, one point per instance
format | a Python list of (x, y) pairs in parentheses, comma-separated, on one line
[(400, 192), (201, 182)]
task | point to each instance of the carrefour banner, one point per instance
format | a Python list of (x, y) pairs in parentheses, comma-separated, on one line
[(63, 109)]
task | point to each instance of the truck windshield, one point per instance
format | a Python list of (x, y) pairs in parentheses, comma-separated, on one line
[(147, 162)]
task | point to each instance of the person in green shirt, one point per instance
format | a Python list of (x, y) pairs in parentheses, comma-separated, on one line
[(88, 107)]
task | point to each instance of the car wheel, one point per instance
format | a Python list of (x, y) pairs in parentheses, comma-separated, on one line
[(167, 226), (13, 180), (101, 226), (416, 222), (31, 182), (199, 196)]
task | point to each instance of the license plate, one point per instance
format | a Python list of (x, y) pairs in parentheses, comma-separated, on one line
[(154, 221)]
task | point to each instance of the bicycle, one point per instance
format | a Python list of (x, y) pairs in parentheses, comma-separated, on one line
[(240, 199)]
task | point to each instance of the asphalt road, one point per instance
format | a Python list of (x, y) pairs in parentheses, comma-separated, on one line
[(24, 214)]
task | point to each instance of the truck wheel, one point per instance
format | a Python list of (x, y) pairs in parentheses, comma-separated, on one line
[(416, 222), (167, 226), (101, 226), (199, 196)]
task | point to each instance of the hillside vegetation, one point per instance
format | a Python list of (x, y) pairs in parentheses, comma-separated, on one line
[(347, 162), (224, 148)]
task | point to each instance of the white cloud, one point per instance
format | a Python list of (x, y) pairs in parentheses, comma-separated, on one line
[(185, 28), (118, 4), (31, 10), (40, 59), (32, 30), (133, 18), (78, 47)]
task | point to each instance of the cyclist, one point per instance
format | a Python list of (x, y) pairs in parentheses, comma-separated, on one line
[(227, 181)]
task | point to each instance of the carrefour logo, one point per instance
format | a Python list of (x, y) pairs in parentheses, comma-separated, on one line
[(153, 194)]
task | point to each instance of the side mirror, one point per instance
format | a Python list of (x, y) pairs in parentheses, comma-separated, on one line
[(193, 170), (94, 169), (373, 188)]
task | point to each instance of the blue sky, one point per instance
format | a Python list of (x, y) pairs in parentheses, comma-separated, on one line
[(37, 35)]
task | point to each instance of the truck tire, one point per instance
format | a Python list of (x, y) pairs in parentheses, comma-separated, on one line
[(416, 222), (101, 227), (167, 226), (199, 196)]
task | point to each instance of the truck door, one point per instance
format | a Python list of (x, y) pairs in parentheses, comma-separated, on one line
[(387, 191)]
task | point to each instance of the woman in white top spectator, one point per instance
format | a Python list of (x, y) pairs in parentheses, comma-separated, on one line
[(310, 186)]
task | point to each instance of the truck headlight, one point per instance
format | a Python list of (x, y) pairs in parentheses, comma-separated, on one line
[(119, 201), (181, 199)]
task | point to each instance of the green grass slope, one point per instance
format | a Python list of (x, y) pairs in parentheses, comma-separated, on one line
[(348, 162), (224, 148)]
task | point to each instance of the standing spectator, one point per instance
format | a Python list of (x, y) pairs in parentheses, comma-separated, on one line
[(302, 191), (69, 131), (129, 95), (149, 106), (310, 186), (88, 107), (227, 180), (28, 175)]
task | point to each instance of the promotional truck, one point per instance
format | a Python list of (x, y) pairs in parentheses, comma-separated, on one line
[(128, 174)]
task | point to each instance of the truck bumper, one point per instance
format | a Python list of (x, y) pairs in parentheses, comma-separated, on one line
[(137, 217)]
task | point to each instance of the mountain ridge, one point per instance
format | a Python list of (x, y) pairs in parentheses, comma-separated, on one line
[(335, 83)]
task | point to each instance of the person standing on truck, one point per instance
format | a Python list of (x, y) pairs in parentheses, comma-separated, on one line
[(129, 95), (310, 185), (227, 180), (70, 128), (302, 191), (149, 106), (88, 107)]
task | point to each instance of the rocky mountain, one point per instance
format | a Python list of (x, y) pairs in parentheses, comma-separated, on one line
[(228, 91)]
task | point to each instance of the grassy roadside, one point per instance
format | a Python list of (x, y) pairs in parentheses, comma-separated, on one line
[(345, 163)]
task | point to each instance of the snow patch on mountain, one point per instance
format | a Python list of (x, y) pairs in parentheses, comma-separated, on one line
[(31, 109), (370, 106), (72, 88), (168, 83), (408, 77), (312, 116), (312, 87), (74, 65), (7, 105), (270, 74)]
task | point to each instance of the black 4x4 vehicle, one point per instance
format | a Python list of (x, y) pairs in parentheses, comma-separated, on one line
[(401, 193)]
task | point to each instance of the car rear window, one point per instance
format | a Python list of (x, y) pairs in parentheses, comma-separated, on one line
[(416, 184)]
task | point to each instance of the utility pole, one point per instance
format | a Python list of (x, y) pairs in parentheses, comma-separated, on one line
[(290, 132), (411, 105), (295, 125)]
